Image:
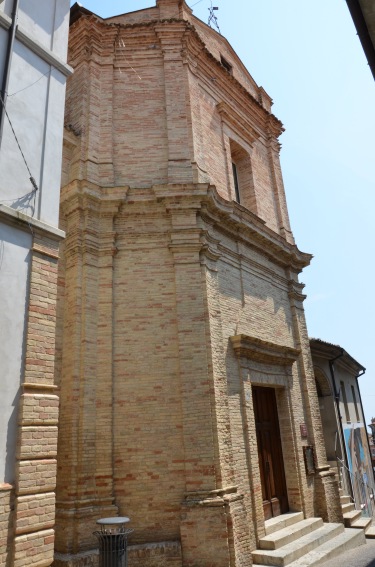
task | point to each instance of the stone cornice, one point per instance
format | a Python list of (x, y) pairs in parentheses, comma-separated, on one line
[(5, 20), (212, 498), (211, 71), (184, 29), (227, 216), (26, 222), (240, 223), (295, 291), (263, 351)]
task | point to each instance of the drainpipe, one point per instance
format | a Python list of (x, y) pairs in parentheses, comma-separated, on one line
[(337, 400), (364, 420), (7, 64)]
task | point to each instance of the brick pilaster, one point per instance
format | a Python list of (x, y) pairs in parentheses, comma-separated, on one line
[(38, 415)]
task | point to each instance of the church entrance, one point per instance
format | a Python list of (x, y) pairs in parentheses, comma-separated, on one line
[(271, 464)]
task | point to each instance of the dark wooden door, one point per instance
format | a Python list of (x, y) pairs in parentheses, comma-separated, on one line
[(275, 501)]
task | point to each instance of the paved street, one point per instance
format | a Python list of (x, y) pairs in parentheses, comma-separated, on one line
[(363, 556)]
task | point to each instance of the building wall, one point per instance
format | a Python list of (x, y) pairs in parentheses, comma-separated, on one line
[(29, 240), (175, 300), (38, 75), (347, 440), (15, 263)]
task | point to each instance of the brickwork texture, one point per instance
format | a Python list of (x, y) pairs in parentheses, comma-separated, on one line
[(175, 299)]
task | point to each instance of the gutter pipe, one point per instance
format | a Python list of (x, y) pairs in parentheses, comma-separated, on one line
[(7, 65)]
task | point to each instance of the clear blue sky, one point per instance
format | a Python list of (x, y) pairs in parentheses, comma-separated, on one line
[(307, 56)]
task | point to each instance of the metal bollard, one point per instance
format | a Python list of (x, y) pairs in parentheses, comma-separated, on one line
[(113, 542)]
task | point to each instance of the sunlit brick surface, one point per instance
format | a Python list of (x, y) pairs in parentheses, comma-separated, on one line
[(161, 273)]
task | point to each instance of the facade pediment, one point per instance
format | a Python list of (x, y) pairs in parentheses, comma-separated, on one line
[(264, 351)]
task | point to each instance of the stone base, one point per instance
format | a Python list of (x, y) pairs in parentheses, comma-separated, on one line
[(161, 554), (327, 498), (85, 559)]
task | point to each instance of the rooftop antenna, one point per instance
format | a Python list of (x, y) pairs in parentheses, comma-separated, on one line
[(213, 17)]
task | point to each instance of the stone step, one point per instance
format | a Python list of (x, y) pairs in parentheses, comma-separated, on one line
[(370, 532), (283, 521), (296, 549), (348, 539), (362, 523), (351, 517), (347, 507), (345, 499), (290, 533)]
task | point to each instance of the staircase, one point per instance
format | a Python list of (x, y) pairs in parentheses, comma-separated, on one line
[(353, 517), (292, 541)]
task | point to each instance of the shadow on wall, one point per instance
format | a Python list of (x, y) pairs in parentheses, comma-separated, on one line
[(48, 12), (258, 307), (25, 204), (11, 443), (15, 259)]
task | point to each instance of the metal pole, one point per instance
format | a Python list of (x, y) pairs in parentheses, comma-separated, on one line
[(8, 61)]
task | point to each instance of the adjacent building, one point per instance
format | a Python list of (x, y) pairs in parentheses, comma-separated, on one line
[(33, 71), (188, 396), (344, 426)]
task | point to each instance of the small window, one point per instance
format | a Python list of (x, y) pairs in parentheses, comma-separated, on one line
[(355, 403), (241, 183), (235, 179), (227, 65), (345, 400)]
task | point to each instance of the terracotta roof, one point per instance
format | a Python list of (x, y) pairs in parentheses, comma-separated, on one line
[(329, 350)]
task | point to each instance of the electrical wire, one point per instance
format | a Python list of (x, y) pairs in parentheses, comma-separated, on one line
[(31, 85), (31, 178)]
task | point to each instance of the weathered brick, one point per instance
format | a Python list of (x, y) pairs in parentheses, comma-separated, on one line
[(160, 273)]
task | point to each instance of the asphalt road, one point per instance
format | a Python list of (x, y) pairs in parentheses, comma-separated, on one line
[(363, 556)]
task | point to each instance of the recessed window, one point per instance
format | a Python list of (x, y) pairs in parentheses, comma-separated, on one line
[(242, 185), (226, 65), (355, 403), (345, 400), (235, 180)]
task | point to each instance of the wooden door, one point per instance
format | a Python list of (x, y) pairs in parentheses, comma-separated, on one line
[(271, 464)]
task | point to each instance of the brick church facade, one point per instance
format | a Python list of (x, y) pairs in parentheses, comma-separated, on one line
[(187, 391)]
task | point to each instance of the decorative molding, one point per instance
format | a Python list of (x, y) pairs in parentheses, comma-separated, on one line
[(12, 216), (45, 251), (237, 122), (295, 291), (5, 21), (212, 498), (31, 386), (237, 221), (264, 351), (5, 487)]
